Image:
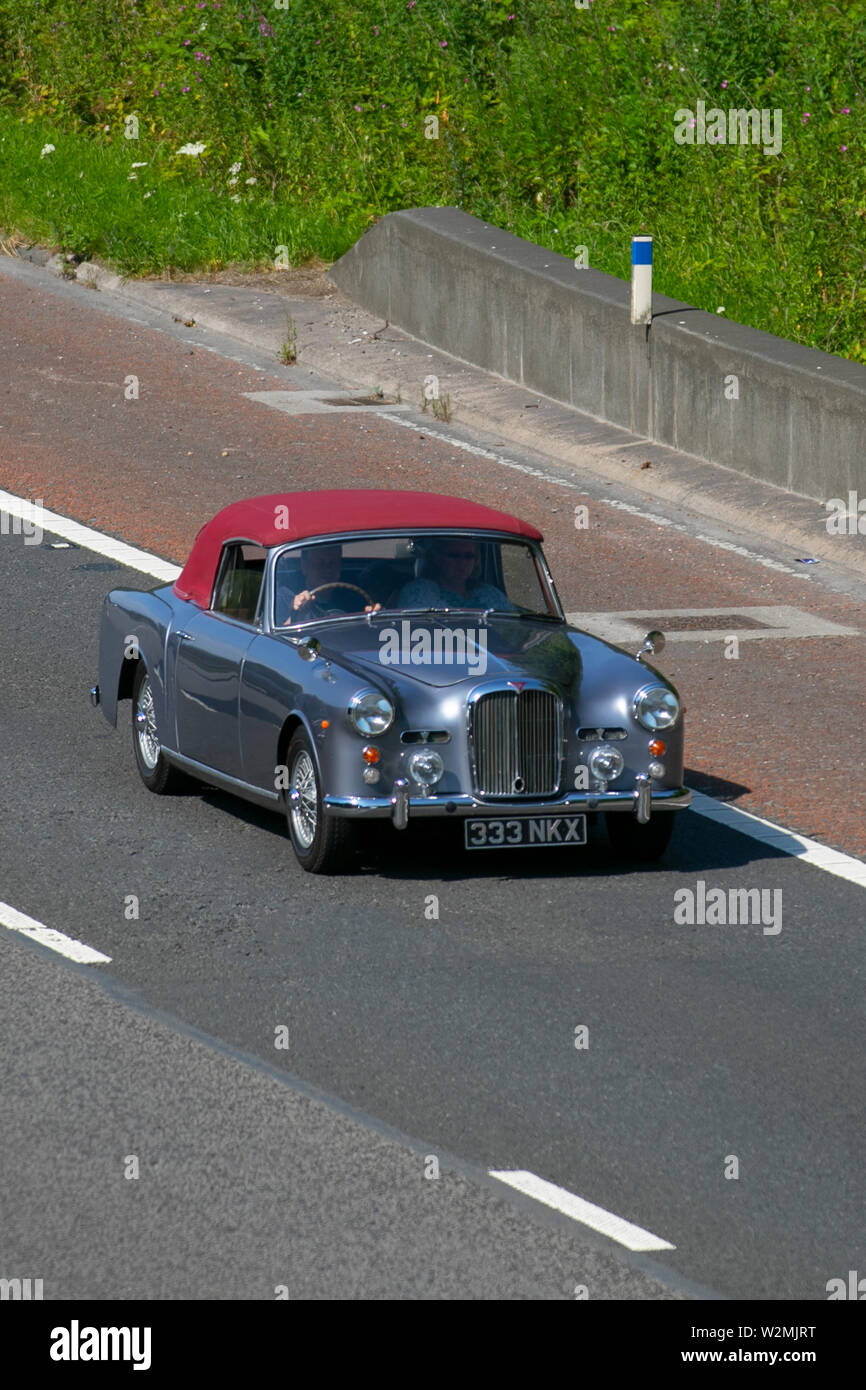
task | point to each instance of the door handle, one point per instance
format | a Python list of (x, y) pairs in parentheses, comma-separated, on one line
[(190, 637)]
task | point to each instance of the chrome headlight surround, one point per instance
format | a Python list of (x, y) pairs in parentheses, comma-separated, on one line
[(656, 707), (371, 713)]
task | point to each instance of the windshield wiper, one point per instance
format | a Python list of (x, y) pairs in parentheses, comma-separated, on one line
[(436, 612), (511, 613)]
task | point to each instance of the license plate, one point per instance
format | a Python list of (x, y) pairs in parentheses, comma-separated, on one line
[(520, 833)]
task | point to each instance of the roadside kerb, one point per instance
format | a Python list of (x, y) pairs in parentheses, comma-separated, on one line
[(488, 403), (797, 420)]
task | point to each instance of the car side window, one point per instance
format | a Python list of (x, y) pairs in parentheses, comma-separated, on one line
[(240, 576)]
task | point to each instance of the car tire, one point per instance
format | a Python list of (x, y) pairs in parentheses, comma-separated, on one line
[(322, 844), (155, 770), (641, 843)]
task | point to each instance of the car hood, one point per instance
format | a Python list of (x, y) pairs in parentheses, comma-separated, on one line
[(507, 649), (449, 651)]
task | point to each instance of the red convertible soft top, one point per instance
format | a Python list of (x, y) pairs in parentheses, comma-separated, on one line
[(292, 516)]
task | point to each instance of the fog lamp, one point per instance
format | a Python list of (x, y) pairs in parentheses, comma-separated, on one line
[(606, 763), (425, 767)]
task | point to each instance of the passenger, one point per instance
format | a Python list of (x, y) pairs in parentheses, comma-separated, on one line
[(454, 579)]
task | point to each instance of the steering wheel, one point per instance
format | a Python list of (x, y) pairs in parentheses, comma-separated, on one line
[(340, 584)]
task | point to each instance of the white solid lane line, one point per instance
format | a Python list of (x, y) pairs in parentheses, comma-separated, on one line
[(832, 861), (36, 515), (767, 832), (46, 936), (614, 1227)]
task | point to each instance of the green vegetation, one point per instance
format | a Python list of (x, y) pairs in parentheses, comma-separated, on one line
[(554, 121), (289, 349)]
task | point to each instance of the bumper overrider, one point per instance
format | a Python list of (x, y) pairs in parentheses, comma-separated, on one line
[(642, 801)]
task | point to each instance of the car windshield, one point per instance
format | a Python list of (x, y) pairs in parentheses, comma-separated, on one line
[(408, 573)]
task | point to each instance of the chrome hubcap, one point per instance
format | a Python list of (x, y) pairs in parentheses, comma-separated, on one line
[(145, 726), (303, 801)]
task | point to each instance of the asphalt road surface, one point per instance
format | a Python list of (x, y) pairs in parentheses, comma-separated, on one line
[(412, 1037)]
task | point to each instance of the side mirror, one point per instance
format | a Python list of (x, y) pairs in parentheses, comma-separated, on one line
[(653, 644), (309, 648)]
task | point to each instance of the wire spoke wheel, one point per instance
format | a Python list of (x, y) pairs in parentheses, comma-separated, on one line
[(322, 843), (304, 800), (145, 725), (155, 770)]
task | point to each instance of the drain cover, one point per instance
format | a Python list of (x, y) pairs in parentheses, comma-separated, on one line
[(318, 402), (353, 400)]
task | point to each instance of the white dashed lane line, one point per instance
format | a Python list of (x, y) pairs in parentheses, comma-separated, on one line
[(32, 514), (585, 1213), (614, 1227), (47, 936)]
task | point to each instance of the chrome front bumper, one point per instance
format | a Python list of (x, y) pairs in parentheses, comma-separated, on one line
[(401, 806)]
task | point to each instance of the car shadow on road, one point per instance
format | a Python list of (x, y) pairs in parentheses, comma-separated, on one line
[(698, 846), (434, 849), (719, 788)]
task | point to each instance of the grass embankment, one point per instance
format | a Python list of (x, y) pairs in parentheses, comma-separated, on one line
[(554, 121)]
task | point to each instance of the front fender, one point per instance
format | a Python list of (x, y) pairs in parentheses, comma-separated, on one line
[(134, 626)]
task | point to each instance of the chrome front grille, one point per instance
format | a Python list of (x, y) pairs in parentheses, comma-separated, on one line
[(517, 743)]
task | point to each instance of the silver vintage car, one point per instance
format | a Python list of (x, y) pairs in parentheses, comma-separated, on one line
[(339, 655)]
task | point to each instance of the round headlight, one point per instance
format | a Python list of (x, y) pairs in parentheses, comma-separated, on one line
[(606, 763), (425, 767), (656, 707), (372, 713)]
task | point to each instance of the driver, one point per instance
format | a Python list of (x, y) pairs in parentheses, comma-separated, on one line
[(320, 564)]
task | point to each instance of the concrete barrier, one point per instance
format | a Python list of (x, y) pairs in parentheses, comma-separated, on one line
[(784, 414)]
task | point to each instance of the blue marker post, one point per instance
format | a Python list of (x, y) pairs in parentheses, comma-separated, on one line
[(641, 279)]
